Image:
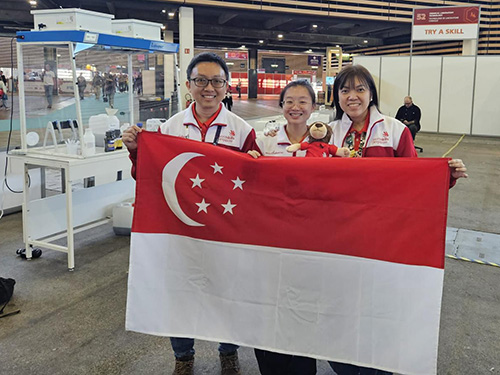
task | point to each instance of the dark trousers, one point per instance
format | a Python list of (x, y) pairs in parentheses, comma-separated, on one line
[(346, 369), (413, 130), (271, 363)]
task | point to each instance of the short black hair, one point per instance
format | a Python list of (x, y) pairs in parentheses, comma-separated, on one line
[(299, 82), (346, 77), (207, 57)]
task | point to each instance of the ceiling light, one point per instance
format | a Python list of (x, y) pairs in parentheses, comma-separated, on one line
[(171, 14), (163, 11), (163, 27), (261, 41), (365, 41), (280, 36), (337, 46), (314, 26), (32, 2), (242, 46)]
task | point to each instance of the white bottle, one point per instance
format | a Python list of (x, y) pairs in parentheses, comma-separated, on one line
[(88, 143)]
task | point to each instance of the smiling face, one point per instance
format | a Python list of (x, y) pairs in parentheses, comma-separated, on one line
[(354, 100), (207, 98), (297, 105)]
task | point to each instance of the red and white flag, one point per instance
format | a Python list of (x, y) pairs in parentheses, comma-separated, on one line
[(332, 258)]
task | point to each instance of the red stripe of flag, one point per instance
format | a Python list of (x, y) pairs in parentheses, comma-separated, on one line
[(389, 209)]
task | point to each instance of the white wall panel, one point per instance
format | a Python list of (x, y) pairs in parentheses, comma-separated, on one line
[(424, 89), (486, 118), (456, 94), (372, 63), (393, 84)]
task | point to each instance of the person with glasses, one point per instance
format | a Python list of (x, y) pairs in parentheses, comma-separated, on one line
[(361, 127), (205, 120), (298, 101)]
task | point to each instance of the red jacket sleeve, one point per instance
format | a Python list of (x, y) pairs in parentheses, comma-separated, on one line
[(332, 149), (406, 147), (133, 157), (251, 143)]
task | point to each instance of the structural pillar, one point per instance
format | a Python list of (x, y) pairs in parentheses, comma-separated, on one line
[(469, 47), (186, 48), (252, 73)]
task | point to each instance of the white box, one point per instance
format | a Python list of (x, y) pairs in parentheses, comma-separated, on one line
[(72, 19), (137, 29)]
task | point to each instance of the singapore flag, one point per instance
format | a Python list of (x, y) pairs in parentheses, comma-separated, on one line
[(331, 258)]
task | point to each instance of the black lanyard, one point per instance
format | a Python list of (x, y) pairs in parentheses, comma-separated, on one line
[(217, 135)]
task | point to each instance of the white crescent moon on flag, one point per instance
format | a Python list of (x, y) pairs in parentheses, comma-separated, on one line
[(169, 176)]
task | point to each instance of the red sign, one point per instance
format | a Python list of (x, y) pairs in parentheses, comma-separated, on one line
[(304, 72), (236, 55), (186, 51), (446, 23), (446, 16)]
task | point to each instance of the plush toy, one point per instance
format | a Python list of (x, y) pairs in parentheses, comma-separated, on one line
[(317, 143)]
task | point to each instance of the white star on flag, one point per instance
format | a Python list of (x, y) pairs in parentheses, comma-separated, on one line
[(228, 207), (197, 181), (202, 206), (238, 183), (217, 168)]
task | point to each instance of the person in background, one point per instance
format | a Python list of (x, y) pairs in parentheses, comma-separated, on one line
[(3, 78), (228, 100), (138, 84), (238, 89), (82, 84), (110, 88), (3, 95), (49, 78), (205, 120), (409, 114), (97, 83), (357, 123)]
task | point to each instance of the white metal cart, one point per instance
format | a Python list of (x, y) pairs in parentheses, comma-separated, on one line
[(48, 219)]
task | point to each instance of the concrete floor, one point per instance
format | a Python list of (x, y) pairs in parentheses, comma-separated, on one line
[(73, 322)]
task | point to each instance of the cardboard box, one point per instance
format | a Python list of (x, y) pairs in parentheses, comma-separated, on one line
[(72, 19), (137, 29)]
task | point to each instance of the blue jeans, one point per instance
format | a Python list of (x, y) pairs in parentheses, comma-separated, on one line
[(184, 347), (49, 91), (347, 369)]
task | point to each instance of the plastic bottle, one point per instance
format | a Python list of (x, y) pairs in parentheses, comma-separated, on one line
[(88, 143)]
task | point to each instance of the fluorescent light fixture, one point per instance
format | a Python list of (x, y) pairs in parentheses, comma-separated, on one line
[(365, 41), (314, 26), (171, 14), (280, 36), (261, 41), (163, 11)]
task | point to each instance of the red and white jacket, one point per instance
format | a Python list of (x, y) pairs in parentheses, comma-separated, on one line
[(236, 134), (385, 137)]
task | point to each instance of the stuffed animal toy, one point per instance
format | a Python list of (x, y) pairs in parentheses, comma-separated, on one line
[(317, 143)]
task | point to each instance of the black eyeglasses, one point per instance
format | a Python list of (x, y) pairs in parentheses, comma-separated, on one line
[(203, 82)]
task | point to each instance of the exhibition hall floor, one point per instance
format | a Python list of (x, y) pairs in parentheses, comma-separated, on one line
[(73, 322)]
